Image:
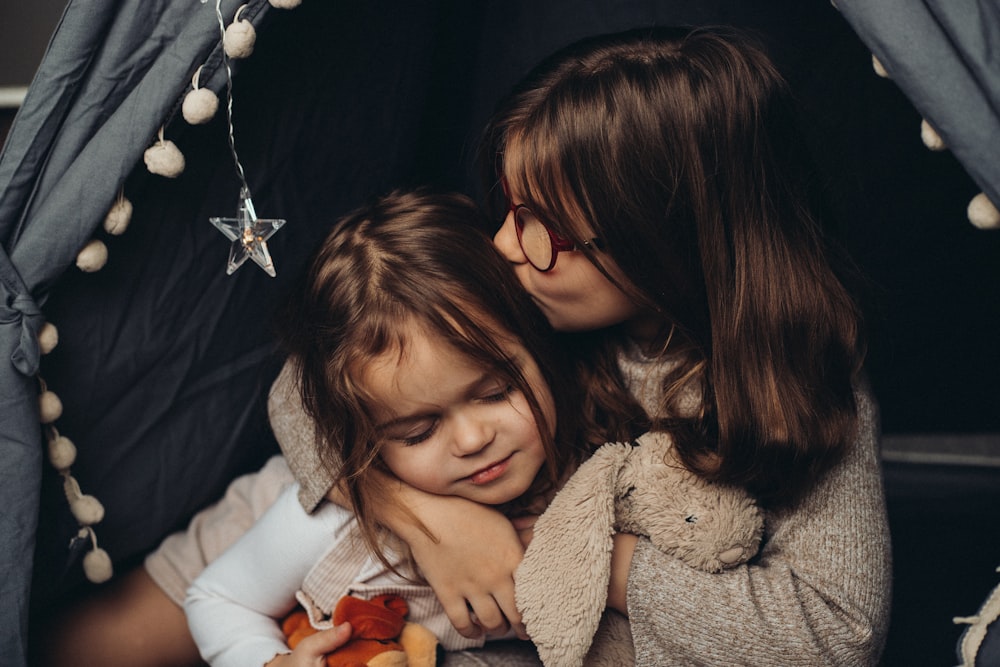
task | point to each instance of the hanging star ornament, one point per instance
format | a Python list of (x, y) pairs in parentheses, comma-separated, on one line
[(249, 236)]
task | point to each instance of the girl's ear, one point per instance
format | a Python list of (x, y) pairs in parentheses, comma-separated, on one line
[(561, 586)]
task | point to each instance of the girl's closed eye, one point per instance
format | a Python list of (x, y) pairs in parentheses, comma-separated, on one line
[(499, 393), (413, 433)]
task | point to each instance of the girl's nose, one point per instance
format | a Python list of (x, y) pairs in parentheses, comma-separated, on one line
[(472, 434), (506, 241)]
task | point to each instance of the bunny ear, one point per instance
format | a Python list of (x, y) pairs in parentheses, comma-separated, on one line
[(561, 586)]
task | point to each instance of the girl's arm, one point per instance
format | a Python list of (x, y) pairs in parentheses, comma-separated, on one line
[(233, 605), (621, 563), (817, 594), (469, 563)]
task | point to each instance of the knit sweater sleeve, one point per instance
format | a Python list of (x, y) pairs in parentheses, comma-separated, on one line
[(295, 432), (817, 594)]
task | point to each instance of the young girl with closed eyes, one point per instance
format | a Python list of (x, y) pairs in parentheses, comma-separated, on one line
[(421, 362)]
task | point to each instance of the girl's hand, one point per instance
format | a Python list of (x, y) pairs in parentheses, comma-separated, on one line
[(471, 565), (470, 562), (312, 650)]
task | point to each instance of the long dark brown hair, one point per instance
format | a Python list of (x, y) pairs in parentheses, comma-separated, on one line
[(425, 257), (678, 149)]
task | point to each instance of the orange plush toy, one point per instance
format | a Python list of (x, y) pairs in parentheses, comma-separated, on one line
[(380, 634)]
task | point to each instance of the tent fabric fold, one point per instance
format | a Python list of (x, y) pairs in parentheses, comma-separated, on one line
[(943, 55), (108, 101), (110, 76)]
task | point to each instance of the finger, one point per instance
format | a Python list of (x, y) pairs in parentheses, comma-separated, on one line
[(326, 641), (508, 606), (489, 616), (458, 614)]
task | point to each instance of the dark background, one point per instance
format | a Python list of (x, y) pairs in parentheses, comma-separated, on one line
[(340, 101)]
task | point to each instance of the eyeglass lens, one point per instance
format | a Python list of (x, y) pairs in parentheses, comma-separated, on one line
[(535, 240)]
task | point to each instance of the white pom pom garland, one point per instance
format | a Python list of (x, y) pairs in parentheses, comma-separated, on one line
[(983, 213), (118, 217), (97, 563), (62, 452), (87, 509), (240, 37), (200, 104), (93, 257), (879, 68), (97, 566), (49, 407), (930, 137), (164, 158), (48, 338)]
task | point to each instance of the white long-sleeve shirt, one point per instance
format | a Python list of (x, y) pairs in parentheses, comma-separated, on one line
[(232, 606), (289, 556)]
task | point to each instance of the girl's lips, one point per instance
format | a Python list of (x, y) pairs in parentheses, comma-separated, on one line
[(490, 472)]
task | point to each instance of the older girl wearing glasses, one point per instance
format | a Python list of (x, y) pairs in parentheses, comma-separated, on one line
[(656, 193)]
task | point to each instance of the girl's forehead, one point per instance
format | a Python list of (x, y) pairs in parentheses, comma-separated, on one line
[(426, 370), (520, 161), (532, 171), (420, 351)]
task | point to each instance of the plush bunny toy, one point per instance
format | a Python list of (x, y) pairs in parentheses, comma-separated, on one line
[(641, 488)]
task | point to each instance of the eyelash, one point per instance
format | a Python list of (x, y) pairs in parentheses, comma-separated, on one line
[(417, 439), (496, 397), (499, 396)]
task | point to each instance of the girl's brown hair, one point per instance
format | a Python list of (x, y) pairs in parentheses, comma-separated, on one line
[(424, 257), (677, 148)]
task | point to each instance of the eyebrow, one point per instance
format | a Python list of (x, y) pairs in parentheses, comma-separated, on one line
[(470, 389)]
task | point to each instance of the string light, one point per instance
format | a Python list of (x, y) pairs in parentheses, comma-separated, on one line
[(246, 231)]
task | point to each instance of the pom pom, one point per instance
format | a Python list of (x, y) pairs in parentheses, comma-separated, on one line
[(118, 217), (164, 158), (93, 257), (62, 452), (239, 37), (285, 4), (983, 213), (879, 68), (48, 338), (199, 106), (86, 509), (97, 566), (930, 137), (49, 407)]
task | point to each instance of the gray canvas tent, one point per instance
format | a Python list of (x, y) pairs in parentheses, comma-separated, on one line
[(164, 360)]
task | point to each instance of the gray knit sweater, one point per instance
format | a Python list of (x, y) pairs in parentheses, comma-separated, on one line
[(817, 594)]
